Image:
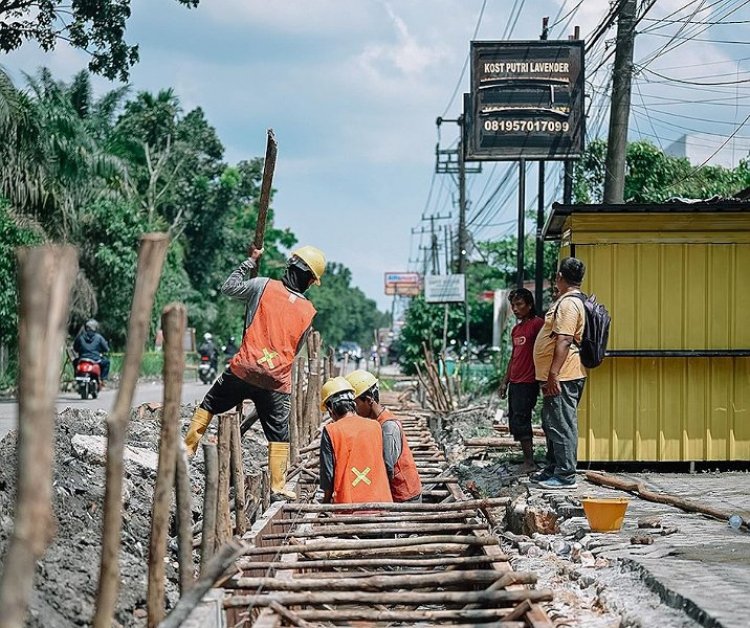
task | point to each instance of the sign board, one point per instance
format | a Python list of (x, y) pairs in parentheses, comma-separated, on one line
[(403, 284), (527, 101), (444, 289)]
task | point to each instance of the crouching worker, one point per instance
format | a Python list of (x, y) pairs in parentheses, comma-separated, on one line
[(278, 318), (352, 470), (399, 462)]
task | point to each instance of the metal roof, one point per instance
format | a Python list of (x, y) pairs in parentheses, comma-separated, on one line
[(556, 220)]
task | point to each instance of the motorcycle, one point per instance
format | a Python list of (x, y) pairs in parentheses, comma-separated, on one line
[(206, 370), (88, 378)]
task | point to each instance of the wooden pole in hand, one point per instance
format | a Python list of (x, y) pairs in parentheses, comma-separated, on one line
[(45, 279), (150, 261), (173, 322)]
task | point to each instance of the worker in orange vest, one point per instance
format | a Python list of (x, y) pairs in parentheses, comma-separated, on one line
[(406, 485), (352, 470), (278, 319)]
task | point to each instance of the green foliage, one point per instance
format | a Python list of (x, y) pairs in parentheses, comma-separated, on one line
[(15, 231), (653, 176), (98, 27), (152, 363), (344, 312), (496, 270), (99, 172)]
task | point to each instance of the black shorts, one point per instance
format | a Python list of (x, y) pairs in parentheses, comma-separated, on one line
[(521, 402), (273, 407)]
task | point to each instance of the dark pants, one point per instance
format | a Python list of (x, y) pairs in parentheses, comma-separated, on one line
[(273, 407), (521, 401), (560, 425)]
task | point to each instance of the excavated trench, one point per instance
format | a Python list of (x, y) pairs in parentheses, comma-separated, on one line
[(548, 534)]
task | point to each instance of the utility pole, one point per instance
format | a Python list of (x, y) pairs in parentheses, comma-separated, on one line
[(622, 75), (462, 239), (539, 265)]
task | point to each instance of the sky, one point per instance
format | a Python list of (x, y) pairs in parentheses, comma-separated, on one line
[(352, 89)]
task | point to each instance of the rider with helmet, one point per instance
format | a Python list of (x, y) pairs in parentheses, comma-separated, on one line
[(90, 345), (208, 349), (278, 319)]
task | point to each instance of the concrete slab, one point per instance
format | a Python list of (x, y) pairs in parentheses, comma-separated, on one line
[(704, 567)]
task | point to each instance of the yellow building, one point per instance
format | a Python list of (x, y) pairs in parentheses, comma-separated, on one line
[(675, 278)]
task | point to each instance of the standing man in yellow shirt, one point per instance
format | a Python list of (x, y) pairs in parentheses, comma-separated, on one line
[(562, 376)]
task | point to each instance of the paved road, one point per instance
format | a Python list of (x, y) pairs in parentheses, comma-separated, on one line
[(148, 391)]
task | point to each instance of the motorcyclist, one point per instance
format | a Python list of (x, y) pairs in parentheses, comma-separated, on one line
[(208, 349), (90, 345), (230, 349)]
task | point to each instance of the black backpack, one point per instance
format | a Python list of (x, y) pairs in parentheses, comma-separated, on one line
[(595, 332)]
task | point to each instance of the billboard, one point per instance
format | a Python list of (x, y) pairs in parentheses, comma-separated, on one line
[(403, 284), (444, 289), (526, 102)]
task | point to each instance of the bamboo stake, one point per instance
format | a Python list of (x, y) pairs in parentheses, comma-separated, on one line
[(238, 475), (289, 616), (223, 523), (639, 488), (387, 583), (391, 598), (299, 397), (184, 520), (173, 322), (507, 579), (354, 544), (377, 528), (214, 569), (442, 561), (210, 499), (294, 443), (45, 280), (151, 256), (414, 517), (449, 616), (469, 504)]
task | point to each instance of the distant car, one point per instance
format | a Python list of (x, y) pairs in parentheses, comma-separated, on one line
[(351, 350)]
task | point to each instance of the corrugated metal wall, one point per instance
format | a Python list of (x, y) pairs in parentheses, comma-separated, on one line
[(686, 290)]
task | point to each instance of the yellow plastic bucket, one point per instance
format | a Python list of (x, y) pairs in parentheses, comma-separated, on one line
[(605, 514)]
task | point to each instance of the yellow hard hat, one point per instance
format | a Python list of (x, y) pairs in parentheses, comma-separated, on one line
[(362, 381), (314, 258), (333, 386)]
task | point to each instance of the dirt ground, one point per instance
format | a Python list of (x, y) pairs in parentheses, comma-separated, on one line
[(66, 578)]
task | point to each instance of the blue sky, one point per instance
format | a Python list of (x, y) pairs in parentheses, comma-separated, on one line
[(352, 89)]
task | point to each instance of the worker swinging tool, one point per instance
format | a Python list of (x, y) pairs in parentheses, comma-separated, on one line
[(278, 318)]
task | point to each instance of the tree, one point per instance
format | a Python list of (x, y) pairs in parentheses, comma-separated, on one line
[(344, 311), (96, 26), (652, 176)]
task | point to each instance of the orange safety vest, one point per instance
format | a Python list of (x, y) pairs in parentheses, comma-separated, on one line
[(270, 343), (359, 474), (406, 482)]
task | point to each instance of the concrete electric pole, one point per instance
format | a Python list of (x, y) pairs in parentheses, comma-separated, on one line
[(622, 75)]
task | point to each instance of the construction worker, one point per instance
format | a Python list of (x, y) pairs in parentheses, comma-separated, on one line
[(352, 470), (278, 319), (406, 485)]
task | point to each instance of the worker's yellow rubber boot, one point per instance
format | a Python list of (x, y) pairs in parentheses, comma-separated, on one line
[(278, 461), (198, 425)]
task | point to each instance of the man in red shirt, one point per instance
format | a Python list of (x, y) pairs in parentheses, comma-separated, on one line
[(519, 383)]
